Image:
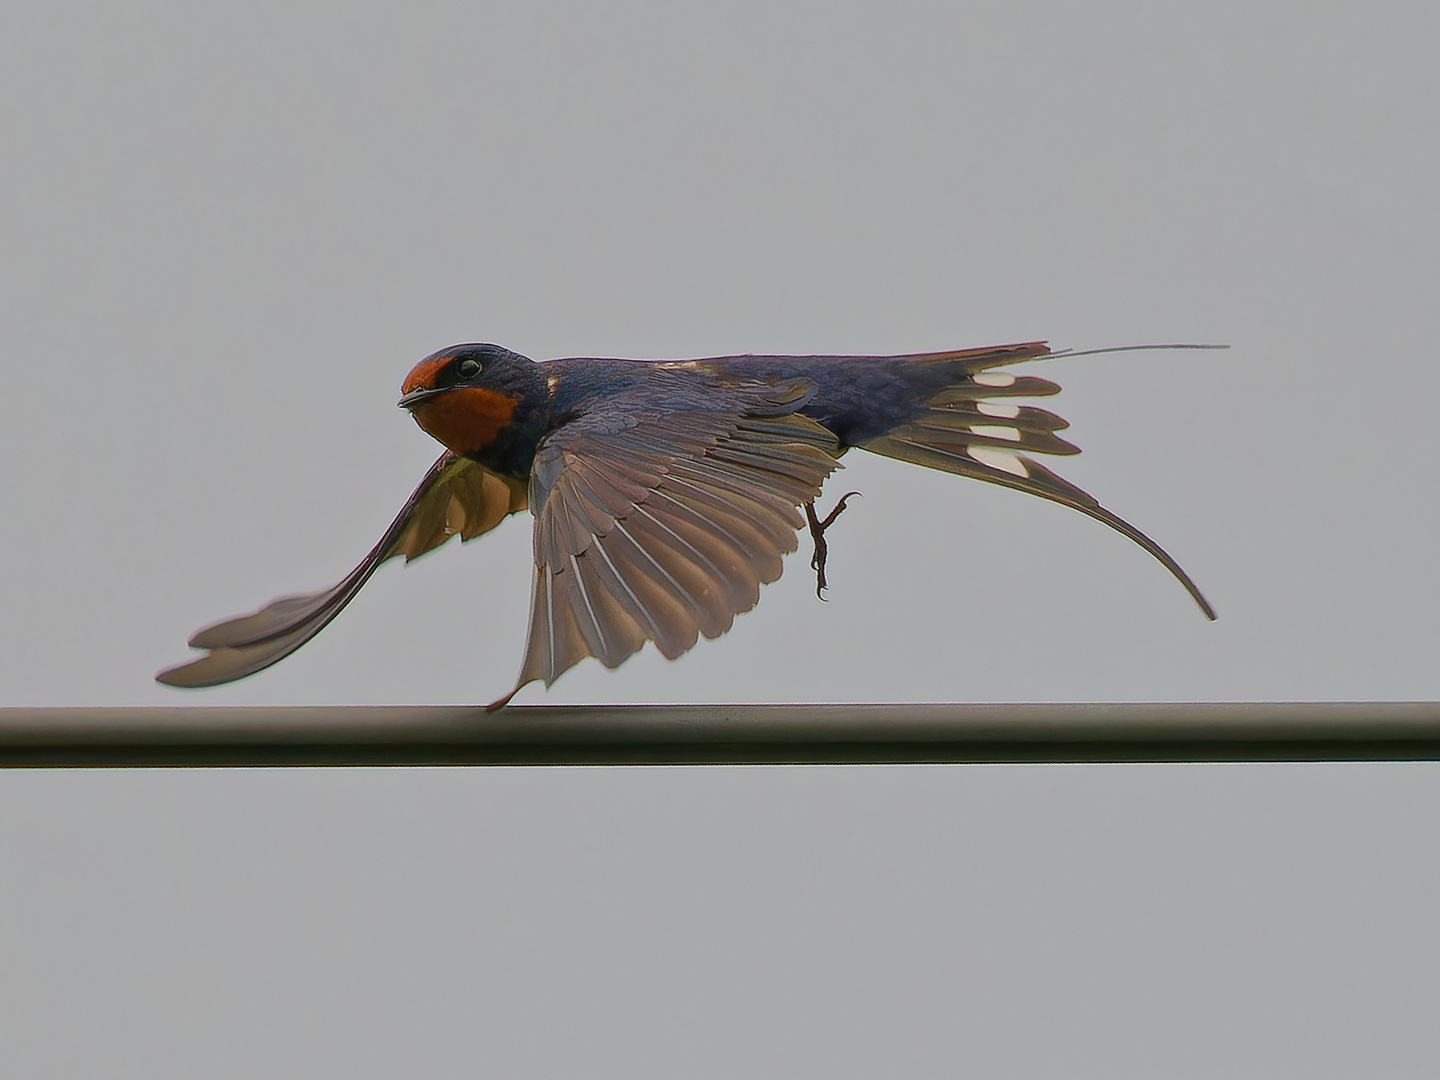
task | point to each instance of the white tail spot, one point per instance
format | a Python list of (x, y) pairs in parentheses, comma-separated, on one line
[(994, 378), (997, 431), (1004, 460), (995, 408)]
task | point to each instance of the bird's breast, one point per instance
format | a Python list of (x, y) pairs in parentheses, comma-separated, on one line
[(467, 419)]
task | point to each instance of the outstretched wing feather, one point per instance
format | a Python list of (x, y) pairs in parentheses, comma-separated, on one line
[(456, 497), (663, 527)]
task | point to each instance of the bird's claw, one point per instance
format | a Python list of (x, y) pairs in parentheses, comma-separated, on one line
[(817, 534)]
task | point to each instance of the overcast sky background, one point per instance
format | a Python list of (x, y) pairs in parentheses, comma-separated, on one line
[(226, 233)]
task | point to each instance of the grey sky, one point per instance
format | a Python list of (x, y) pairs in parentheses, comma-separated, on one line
[(226, 233)]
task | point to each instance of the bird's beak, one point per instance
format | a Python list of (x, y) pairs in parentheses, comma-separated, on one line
[(418, 397)]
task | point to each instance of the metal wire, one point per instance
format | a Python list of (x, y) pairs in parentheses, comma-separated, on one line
[(718, 734)]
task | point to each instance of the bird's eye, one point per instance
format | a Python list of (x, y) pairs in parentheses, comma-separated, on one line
[(468, 368)]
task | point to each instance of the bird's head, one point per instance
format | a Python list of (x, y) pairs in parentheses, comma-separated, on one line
[(466, 395)]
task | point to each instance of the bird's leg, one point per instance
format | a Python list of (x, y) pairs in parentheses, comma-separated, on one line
[(817, 533)]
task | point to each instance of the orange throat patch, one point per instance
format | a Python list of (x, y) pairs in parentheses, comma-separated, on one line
[(466, 419)]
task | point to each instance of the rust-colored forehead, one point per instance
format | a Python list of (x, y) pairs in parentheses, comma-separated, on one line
[(423, 375)]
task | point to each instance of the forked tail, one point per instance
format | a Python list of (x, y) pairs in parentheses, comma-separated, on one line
[(974, 428)]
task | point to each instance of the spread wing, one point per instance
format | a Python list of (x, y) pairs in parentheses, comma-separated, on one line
[(457, 497), (661, 524)]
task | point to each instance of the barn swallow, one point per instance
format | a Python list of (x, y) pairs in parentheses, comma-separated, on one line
[(665, 493)]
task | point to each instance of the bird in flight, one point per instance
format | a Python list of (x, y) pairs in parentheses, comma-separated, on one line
[(665, 493)]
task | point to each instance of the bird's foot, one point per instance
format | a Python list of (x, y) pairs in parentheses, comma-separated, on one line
[(817, 533)]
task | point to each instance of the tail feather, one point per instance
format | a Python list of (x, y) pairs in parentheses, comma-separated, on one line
[(966, 432)]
